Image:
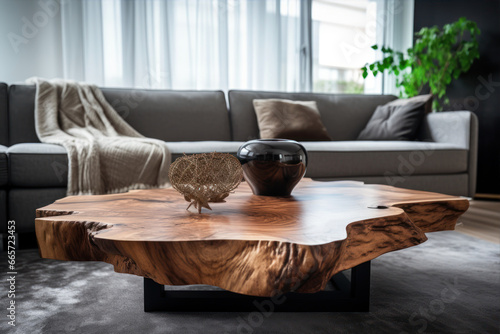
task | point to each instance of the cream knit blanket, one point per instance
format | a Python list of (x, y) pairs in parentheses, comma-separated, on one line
[(105, 154)]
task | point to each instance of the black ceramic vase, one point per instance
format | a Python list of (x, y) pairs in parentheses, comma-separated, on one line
[(273, 167)]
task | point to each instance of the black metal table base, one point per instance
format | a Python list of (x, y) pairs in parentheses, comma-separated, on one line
[(348, 296)]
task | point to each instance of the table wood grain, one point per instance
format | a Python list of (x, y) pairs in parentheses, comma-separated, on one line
[(254, 245)]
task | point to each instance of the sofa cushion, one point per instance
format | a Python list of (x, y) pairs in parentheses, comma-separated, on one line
[(162, 114), (171, 115), (343, 115), (450, 184), (386, 158), (179, 148), (4, 119), (4, 168), (22, 114), (397, 120), (46, 165), (38, 165), (296, 120), (23, 202), (3, 211)]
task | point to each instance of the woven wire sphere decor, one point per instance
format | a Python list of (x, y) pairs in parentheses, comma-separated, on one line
[(205, 178)]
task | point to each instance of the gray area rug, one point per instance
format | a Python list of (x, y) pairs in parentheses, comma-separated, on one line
[(449, 284)]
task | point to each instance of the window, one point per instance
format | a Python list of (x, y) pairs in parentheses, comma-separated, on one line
[(343, 32), (184, 44), (280, 45)]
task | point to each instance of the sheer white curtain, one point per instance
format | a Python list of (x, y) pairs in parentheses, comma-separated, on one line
[(395, 30), (187, 44)]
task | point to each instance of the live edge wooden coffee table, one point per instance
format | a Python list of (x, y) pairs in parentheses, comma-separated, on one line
[(267, 253)]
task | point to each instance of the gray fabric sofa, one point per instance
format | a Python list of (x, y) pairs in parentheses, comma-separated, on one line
[(4, 140), (443, 160)]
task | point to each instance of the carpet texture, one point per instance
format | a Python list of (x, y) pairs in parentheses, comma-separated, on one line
[(449, 284)]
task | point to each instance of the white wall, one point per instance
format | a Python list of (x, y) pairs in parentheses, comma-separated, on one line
[(30, 39)]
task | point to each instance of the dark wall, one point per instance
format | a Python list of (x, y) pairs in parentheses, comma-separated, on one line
[(479, 89)]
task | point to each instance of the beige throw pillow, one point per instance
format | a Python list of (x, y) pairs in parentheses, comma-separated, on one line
[(296, 120)]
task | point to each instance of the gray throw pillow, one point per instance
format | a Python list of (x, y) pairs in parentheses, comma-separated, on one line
[(397, 120)]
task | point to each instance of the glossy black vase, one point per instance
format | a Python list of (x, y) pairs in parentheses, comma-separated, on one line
[(273, 167)]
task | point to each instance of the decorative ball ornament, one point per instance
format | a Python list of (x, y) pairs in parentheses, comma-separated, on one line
[(205, 178)]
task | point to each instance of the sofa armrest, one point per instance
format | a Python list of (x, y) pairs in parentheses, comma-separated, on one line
[(459, 128)]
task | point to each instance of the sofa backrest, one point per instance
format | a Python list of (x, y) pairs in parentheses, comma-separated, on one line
[(344, 115), (4, 119), (162, 114)]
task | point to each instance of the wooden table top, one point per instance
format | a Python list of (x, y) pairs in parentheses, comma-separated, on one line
[(317, 213), (243, 245)]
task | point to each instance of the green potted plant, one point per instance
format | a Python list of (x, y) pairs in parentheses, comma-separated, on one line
[(437, 57)]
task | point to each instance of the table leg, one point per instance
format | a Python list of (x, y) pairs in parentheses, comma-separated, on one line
[(349, 296)]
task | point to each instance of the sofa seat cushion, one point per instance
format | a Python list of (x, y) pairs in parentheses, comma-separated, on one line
[(37, 165), (4, 174), (179, 148), (383, 158), (46, 165)]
